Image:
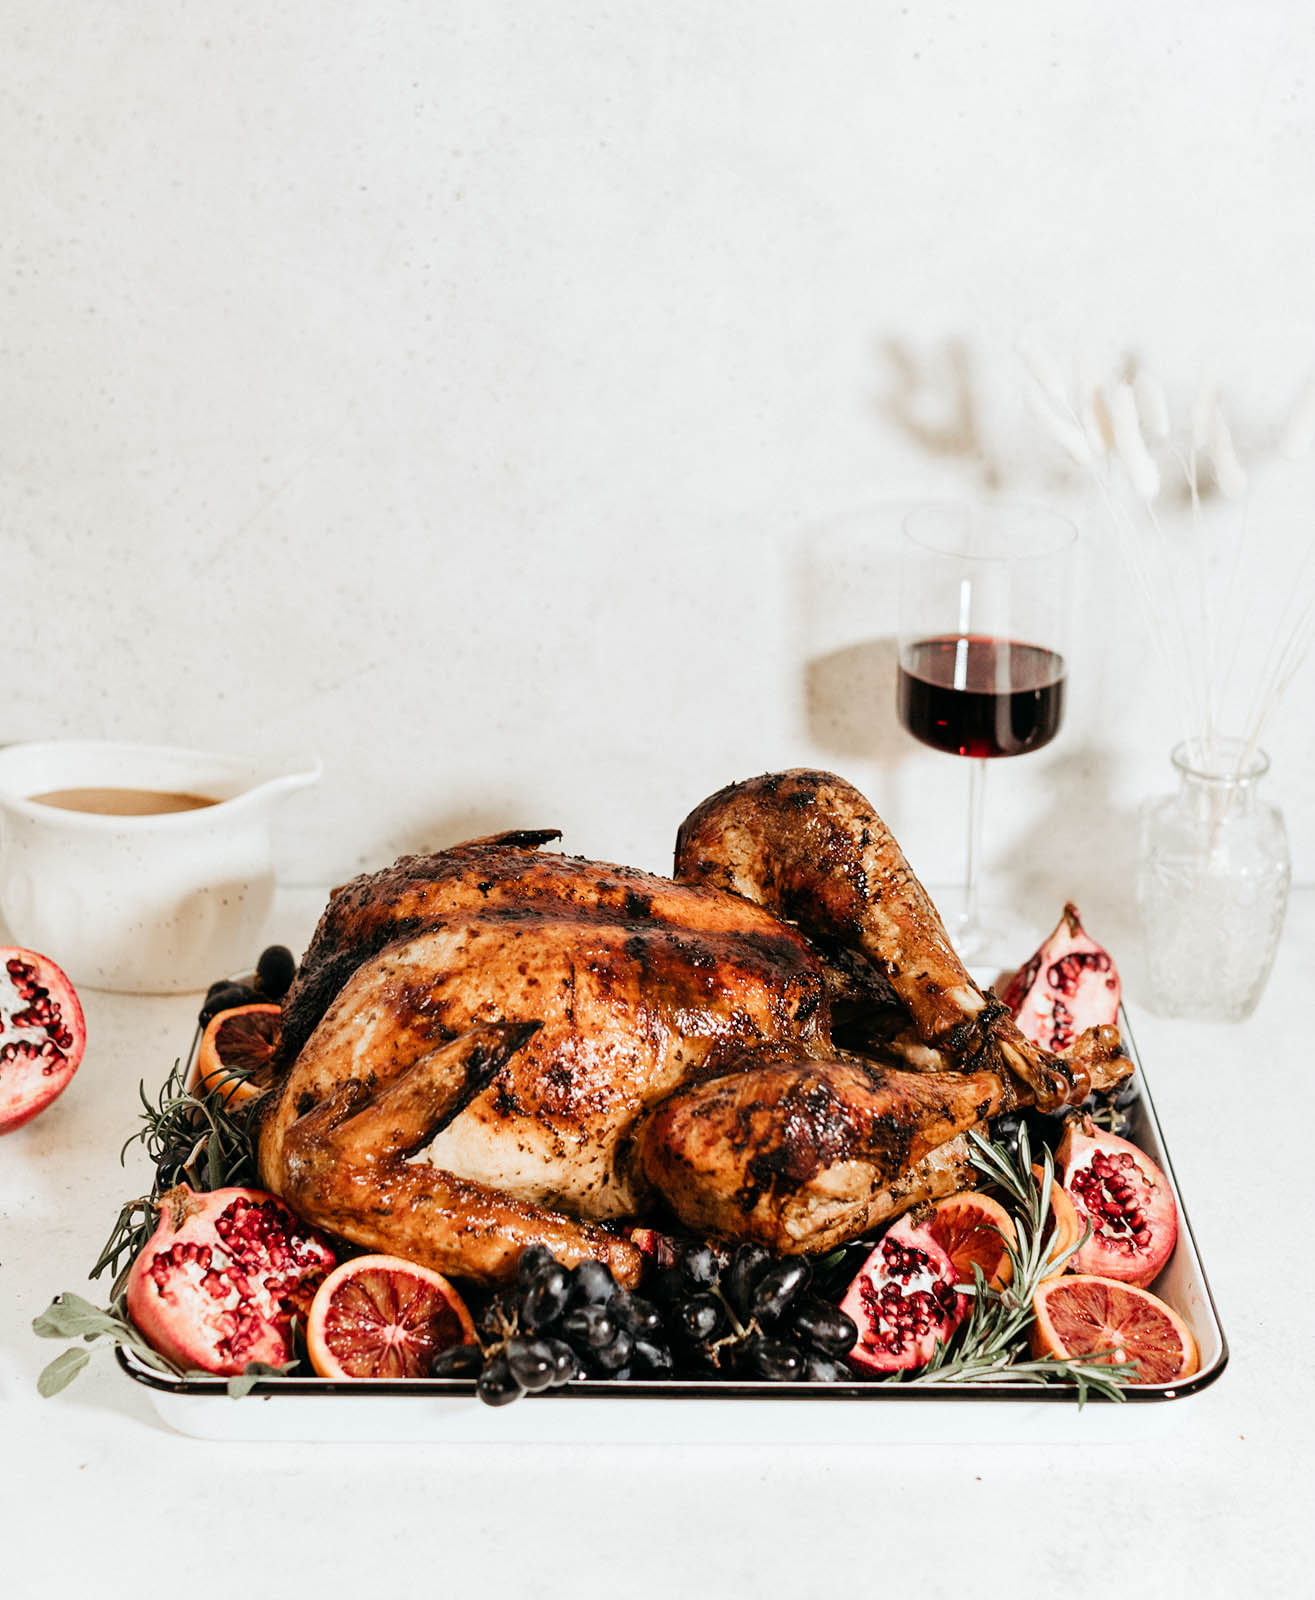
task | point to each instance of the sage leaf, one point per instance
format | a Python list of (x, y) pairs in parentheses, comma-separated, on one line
[(69, 1316), (246, 1380), (62, 1371)]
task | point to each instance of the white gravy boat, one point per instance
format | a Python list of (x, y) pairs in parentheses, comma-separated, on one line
[(157, 904)]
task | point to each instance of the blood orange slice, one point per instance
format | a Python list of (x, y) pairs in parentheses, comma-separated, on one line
[(237, 1047), (972, 1230), (1078, 1315), (382, 1317)]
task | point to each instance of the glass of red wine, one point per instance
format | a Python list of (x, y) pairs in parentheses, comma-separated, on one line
[(984, 614)]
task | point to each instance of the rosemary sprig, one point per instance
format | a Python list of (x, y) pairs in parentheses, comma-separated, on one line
[(991, 1345), (194, 1139)]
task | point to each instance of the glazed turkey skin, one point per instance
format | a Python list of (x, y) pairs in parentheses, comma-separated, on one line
[(498, 1045), (614, 985), (627, 1008)]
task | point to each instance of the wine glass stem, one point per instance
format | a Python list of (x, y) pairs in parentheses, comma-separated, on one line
[(968, 921)]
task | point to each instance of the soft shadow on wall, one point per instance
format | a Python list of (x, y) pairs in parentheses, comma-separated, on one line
[(932, 400), (844, 612), (1079, 844), (849, 700)]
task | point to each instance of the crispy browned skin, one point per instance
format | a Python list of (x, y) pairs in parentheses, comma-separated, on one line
[(502, 872), (803, 1156), (635, 984), (809, 847), (491, 1047)]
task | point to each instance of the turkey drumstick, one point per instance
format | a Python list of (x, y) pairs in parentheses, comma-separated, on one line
[(809, 847), (803, 1155)]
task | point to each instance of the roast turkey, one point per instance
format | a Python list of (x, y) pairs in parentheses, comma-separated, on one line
[(498, 1045)]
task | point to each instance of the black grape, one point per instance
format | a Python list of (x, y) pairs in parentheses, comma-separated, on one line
[(592, 1284), (546, 1297), (535, 1259), (776, 1360), (821, 1369), (653, 1358), (822, 1327), (530, 1363), (496, 1386), (748, 1264), (699, 1268), (457, 1361), (612, 1357), (699, 1319), (589, 1328), (778, 1287)]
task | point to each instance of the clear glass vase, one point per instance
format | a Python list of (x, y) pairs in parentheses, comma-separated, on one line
[(1212, 883)]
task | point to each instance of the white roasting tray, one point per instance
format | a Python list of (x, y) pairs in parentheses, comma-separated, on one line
[(674, 1411)]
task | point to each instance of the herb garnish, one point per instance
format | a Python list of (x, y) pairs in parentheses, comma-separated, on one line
[(193, 1139), (991, 1345)]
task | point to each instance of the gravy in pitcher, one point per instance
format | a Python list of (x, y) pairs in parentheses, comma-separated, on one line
[(121, 802)]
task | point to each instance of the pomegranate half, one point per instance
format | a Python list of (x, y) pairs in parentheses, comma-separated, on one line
[(42, 1035), (222, 1277), (902, 1301), (1126, 1198), (1069, 985)]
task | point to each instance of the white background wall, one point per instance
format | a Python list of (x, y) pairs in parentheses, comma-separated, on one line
[(482, 393)]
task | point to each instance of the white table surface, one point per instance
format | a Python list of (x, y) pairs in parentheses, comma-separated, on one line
[(96, 1496)]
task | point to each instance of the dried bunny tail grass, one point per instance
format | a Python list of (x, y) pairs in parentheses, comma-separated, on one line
[(1289, 645), (1290, 663), (1229, 475), (1097, 423), (1159, 599), (1129, 445), (1061, 425), (1085, 428), (1299, 432), (1152, 407), (1239, 617), (1114, 417)]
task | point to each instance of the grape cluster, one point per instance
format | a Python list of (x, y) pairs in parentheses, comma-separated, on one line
[(556, 1323), (751, 1314), (1114, 1108), (748, 1314)]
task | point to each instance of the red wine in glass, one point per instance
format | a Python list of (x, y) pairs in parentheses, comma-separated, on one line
[(974, 695)]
